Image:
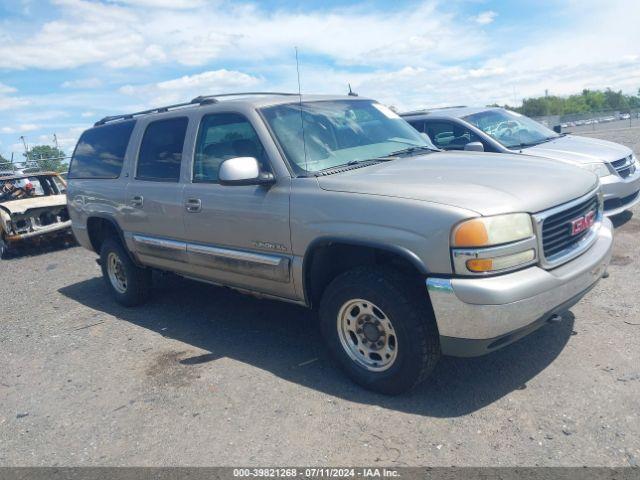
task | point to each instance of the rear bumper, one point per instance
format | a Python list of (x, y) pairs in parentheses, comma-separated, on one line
[(479, 315), (620, 194)]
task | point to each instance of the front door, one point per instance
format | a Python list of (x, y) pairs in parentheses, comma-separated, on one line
[(238, 235)]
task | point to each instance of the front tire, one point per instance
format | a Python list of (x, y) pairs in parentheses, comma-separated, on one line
[(129, 284), (379, 326)]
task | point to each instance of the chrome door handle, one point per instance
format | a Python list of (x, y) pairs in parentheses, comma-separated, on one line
[(137, 201), (193, 205)]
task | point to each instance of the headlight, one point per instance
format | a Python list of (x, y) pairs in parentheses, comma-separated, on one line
[(486, 245), (600, 169), (486, 231)]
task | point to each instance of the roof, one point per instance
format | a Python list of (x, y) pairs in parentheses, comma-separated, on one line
[(457, 112), (27, 175), (255, 99)]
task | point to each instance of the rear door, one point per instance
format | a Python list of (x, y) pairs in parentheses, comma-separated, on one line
[(238, 235), (153, 204)]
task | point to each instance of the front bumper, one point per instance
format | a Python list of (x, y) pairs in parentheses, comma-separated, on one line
[(620, 194), (479, 315), (56, 228)]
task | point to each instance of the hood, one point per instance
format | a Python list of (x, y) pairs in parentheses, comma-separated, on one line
[(579, 150), (24, 204), (481, 182)]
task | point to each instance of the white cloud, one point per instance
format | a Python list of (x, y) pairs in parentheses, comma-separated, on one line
[(189, 86), (24, 128), (82, 83), (485, 18), (6, 89), (131, 34), (10, 103), (172, 4)]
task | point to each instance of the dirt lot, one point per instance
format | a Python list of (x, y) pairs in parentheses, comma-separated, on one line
[(204, 376)]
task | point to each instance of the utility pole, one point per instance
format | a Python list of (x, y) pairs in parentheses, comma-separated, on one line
[(55, 140), (26, 149)]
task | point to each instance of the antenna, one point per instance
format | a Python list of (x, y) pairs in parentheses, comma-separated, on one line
[(304, 141), (351, 92)]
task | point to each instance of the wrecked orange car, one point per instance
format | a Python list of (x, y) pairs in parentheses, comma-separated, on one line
[(33, 208)]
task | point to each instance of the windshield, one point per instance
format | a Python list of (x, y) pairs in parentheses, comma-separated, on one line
[(30, 187), (340, 132), (510, 128)]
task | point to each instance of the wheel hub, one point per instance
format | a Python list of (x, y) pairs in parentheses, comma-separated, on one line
[(367, 335), (371, 332), (117, 275)]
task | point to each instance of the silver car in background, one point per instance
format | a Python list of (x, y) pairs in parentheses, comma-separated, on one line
[(498, 130)]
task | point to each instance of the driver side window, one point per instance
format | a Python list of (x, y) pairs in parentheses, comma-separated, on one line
[(223, 136), (449, 135)]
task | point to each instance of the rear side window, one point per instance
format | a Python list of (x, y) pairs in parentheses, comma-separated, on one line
[(100, 151), (161, 150)]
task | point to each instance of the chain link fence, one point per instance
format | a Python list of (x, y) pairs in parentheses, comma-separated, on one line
[(34, 165), (592, 120)]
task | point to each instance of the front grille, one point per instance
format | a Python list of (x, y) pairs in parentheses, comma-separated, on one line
[(624, 166), (556, 229)]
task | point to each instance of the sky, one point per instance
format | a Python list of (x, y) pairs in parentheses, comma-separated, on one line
[(64, 64)]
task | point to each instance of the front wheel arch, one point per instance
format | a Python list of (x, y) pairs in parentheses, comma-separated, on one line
[(328, 257)]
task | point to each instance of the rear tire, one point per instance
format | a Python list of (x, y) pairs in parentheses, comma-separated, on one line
[(129, 284), (379, 326)]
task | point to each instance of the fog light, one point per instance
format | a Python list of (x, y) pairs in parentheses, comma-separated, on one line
[(500, 263)]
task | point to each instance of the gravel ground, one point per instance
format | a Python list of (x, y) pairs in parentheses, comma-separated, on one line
[(205, 376)]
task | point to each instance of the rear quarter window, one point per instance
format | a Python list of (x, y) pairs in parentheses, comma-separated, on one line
[(100, 151)]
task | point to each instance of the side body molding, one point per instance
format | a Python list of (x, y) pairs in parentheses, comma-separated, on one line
[(271, 267)]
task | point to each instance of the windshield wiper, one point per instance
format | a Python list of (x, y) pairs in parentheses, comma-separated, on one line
[(410, 150), (367, 160), (544, 140), (353, 163)]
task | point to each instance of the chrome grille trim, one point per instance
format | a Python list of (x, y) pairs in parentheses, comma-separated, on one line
[(579, 243), (625, 166)]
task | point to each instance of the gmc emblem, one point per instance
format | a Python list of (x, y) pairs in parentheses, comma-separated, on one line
[(580, 224)]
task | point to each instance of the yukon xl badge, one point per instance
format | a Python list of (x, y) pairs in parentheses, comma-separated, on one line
[(580, 224), (269, 246)]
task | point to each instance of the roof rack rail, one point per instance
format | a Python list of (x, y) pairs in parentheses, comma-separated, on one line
[(205, 98), (201, 100)]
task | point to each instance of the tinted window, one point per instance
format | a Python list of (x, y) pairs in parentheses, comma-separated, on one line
[(223, 136), (161, 150), (418, 125), (449, 136), (100, 151)]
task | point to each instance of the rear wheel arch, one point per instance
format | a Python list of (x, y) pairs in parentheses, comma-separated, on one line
[(326, 258), (99, 228)]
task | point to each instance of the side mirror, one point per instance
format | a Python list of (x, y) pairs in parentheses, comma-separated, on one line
[(557, 128), (243, 171), (474, 147)]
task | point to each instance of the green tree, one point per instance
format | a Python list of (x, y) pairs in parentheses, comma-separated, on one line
[(5, 164), (48, 158)]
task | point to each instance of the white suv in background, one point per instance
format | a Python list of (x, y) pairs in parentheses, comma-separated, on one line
[(498, 130)]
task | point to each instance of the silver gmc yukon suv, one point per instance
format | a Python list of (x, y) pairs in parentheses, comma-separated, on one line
[(335, 202)]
